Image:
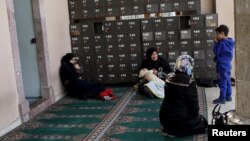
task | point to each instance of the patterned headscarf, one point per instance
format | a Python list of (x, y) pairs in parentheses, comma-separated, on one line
[(184, 63)]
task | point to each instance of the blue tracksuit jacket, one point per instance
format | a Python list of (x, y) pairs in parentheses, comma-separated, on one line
[(223, 51)]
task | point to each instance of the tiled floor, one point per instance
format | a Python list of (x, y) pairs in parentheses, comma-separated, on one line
[(213, 93)]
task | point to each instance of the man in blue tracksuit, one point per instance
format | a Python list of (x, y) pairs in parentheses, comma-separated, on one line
[(223, 50)]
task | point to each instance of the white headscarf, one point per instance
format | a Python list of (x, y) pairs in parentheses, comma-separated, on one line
[(184, 63)]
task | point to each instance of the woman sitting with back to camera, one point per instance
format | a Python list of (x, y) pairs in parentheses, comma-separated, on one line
[(77, 87), (179, 113)]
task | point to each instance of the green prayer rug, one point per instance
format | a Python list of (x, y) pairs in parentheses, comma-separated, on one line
[(67, 120), (131, 117), (139, 121)]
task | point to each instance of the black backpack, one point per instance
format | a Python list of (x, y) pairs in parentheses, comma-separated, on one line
[(205, 82), (219, 118)]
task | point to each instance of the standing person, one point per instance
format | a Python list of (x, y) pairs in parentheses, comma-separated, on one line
[(179, 113), (223, 50), (159, 67), (76, 86)]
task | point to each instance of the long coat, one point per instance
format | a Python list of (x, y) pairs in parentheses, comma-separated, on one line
[(179, 113)]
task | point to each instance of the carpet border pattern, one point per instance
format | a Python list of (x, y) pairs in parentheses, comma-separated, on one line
[(101, 128), (203, 111), (98, 132)]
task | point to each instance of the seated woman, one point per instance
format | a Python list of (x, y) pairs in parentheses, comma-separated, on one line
[(160, 68), (76, 86), (156, 63), (179, 113)]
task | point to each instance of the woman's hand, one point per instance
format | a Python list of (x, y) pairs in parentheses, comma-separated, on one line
[(77, 66), (155, 72)]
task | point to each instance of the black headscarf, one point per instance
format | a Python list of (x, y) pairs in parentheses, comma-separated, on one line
[(161, 65), (67, 57), (150, 52)]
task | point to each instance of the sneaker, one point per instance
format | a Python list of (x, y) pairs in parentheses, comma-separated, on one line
[(104, 95), (229, 98), (219, 101), (107, 98)]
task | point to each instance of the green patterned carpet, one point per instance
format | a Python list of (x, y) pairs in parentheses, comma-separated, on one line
[(67, 120), (140, 122), (130, 117)]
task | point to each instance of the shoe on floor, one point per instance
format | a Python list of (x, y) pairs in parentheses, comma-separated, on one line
[(219, 101), (104, 95), (229, 98)]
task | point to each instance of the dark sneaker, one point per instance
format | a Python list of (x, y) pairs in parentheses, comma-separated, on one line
[(219, 101), (229, 98)]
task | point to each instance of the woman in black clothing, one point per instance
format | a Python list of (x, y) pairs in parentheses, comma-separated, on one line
[(156, 63), (159, 66), (75, 86), (179, 113)]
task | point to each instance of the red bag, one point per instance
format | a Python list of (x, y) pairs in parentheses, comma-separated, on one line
[(107, 95)]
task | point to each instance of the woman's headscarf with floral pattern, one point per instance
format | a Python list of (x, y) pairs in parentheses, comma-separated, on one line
[(184, 63)]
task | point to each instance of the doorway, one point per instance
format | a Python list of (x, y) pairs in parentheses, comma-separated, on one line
[(27, 49)]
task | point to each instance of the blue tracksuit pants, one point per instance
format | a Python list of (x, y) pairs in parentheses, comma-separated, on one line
[(224, 82)]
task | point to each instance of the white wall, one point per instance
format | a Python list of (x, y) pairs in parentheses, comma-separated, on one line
[(57, 22), (225, 10), (207, 6), (9, 114)]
